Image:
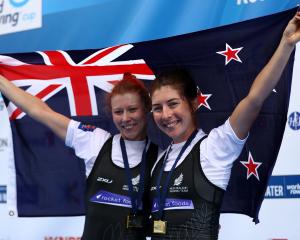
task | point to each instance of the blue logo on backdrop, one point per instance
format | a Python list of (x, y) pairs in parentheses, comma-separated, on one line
[(18, 3), (2, 194), (294, 120), (283, 187)]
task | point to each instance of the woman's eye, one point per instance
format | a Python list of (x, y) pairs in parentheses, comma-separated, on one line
[(118, 112), (156, 109), (173, 104), (132, 110)]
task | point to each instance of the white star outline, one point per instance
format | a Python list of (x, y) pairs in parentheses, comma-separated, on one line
[(245, 163), (231, 49)]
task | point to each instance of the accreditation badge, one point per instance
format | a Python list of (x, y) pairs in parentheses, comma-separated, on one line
[(159, 227)]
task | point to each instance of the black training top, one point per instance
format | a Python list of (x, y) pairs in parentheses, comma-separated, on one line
[(192, 208), (107, 198)]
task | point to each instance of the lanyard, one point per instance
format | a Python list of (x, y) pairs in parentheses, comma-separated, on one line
[(161, 197), (135, 200)]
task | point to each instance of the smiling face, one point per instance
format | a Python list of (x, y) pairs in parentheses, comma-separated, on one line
[(129, 115), (172, 113)]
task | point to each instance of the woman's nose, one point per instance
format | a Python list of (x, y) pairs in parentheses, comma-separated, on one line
[(125, 116), (166, 112)]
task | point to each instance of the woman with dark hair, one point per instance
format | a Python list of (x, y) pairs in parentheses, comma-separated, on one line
[(189, 181), (117, 167)]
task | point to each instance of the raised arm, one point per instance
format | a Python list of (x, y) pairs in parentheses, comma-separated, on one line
[(35, 108), (247, 110)]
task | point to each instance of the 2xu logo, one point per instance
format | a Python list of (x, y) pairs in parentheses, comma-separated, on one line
[(18, 3), (106, 180)]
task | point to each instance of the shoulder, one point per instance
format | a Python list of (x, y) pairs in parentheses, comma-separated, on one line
[(221, 147), (82, 134), (222, 139)]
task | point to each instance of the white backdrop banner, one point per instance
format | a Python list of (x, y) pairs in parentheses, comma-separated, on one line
[(20, 15)]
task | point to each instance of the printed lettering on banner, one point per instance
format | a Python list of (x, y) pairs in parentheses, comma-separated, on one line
[(20, 15)]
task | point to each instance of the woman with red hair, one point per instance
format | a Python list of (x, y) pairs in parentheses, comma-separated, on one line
[(117, 167)]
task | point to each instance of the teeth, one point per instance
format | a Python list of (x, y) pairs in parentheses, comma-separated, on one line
[(127, 127), (171, 124)]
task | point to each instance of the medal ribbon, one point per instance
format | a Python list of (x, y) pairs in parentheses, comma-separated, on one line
[(135, 198), (161, 197)]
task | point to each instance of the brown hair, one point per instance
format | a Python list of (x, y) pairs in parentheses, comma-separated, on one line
[(130, 84), (180, 80)]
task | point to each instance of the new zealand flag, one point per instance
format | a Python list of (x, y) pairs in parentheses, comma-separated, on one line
[(223, 61)]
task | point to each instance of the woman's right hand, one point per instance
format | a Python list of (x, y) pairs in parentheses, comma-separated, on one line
[(35, 108)]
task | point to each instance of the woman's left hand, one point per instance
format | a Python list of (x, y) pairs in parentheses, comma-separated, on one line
[(291, 33)]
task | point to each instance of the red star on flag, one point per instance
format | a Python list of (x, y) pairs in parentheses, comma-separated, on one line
[(202, 100), (251, 166), (231, 54)]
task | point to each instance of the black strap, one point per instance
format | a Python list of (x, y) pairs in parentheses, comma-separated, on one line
[(204, 188), (107, 147), (136, 198), (161, 195)]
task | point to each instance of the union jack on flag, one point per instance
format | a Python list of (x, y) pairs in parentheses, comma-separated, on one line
[(224, 61), (79, 79)]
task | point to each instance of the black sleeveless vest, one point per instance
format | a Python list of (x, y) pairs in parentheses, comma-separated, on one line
[(189, 188), (108, 181)]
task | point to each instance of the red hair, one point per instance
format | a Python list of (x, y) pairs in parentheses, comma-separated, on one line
[(130, 84)]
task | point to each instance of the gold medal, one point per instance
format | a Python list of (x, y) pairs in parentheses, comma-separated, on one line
[(134, 221), (159, 227)]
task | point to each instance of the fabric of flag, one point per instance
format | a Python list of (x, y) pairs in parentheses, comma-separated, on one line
[(224, 62)]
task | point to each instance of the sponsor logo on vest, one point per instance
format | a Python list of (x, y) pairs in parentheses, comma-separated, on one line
[(177, 185), (153, 188), (105, 180), (178, 180), (173, 204), (110, 198), (135, 181)]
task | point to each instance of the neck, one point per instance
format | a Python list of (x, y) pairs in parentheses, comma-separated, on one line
[(137, 138), (186, 136)]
